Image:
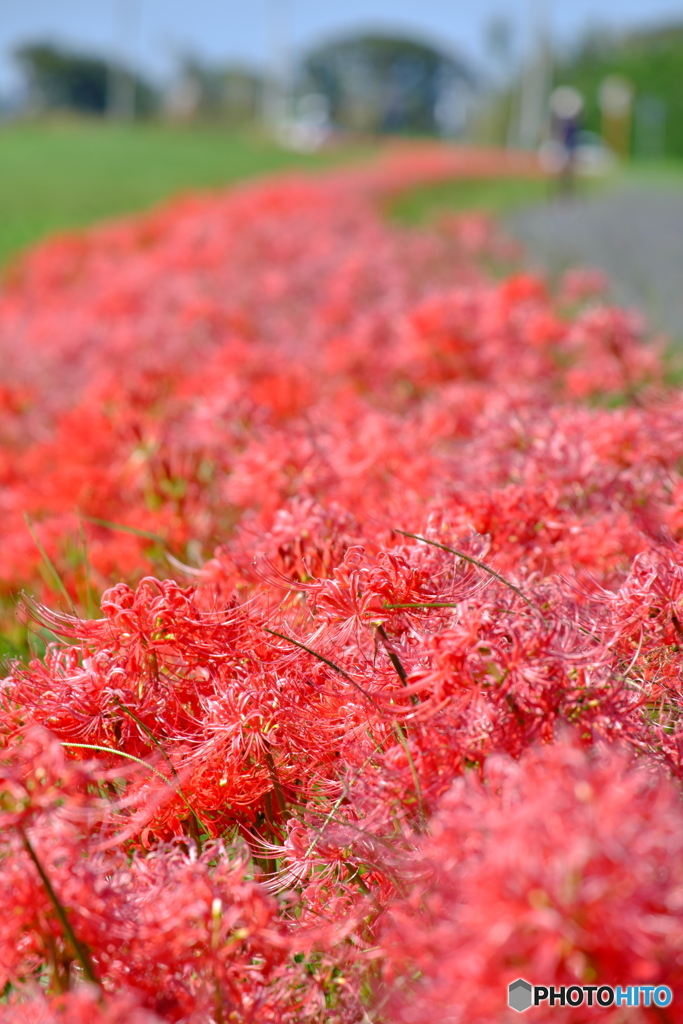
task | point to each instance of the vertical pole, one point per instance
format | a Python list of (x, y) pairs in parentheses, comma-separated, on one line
[(121, 99), (535, 79), (276, 93)]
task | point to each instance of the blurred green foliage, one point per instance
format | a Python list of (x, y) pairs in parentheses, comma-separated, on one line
[(653, 63)]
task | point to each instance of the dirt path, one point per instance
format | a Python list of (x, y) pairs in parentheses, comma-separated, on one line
[(634, 234)]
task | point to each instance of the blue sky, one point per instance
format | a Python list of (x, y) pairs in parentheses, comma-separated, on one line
[(154, 32)]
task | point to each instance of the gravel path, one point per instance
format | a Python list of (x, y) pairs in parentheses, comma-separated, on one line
[(634, 234)]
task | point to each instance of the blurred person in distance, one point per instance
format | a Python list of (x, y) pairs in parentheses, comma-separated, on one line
[(559, 154)]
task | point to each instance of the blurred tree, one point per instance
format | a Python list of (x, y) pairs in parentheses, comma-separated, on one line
[(229, 93), (60, 79), (389, 84)]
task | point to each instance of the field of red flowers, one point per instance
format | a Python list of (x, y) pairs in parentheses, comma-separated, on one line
[(382, 707)]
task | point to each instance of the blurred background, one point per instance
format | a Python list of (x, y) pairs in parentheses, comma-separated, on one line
[(108, 106), (439, 67)]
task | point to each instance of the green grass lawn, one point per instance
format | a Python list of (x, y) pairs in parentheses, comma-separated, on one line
[(57, 176), (496, 196)]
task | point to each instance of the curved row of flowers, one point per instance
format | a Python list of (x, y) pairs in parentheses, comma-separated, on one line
[(405, 723)]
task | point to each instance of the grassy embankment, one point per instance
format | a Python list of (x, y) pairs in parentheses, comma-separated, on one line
[(58, 176), (64, 175)]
